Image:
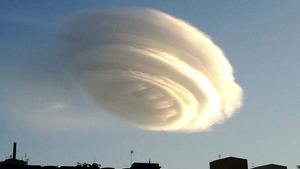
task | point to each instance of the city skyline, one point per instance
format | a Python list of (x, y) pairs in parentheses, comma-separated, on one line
[(221, 163)]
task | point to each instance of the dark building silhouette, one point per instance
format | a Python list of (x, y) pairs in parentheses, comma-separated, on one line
[(229, 163), (14, 163), (271, 166), (225, 163), (145, 166)]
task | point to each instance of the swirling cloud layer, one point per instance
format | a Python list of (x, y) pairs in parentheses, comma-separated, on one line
[(151, 69)]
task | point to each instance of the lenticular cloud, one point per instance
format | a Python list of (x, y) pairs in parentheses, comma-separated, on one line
[(152, 69)]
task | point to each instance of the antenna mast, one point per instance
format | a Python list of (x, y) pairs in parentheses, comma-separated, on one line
[(14, 151), (131, 154)]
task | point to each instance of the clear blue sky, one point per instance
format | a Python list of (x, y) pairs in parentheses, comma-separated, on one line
[(261, 39)]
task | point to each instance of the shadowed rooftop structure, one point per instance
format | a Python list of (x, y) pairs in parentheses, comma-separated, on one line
[(229, 163), (271, 166)]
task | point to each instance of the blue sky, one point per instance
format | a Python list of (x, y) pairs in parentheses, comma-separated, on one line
[(260, 38)]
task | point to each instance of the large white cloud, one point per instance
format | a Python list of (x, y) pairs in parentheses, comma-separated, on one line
[(151, 69)]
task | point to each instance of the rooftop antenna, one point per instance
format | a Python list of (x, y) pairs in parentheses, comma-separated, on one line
[(149, 160), (219, 156), (131, 154), (14, 151)]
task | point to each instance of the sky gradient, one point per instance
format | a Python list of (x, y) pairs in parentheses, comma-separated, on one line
[(260, 38)]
